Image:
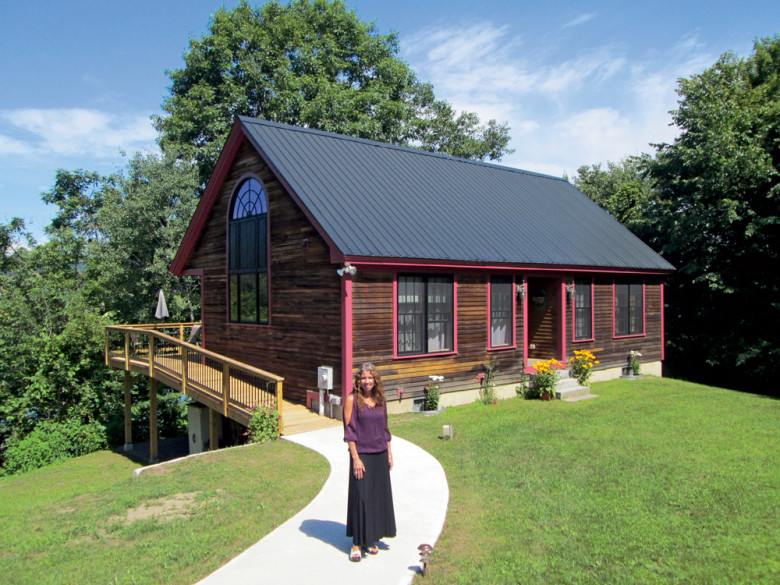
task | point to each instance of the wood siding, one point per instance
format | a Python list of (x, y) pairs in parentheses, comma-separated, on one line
[(613, 351), (305, 312), (373, 341)]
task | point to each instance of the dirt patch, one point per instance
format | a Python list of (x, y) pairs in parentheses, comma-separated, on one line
[(165, 509)]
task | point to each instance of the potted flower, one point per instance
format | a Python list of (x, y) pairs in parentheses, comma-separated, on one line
[(546, 377), (633, 362), (433, 392)]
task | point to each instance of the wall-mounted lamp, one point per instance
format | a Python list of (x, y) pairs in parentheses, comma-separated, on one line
[(347, 269), (521, 290), (570, 290)]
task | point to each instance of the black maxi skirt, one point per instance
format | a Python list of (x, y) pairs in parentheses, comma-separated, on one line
[(370, 513)]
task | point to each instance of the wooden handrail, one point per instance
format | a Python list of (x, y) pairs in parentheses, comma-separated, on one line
[(219, 394)]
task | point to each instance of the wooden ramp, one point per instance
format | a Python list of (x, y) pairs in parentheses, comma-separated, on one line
[(296, 419)]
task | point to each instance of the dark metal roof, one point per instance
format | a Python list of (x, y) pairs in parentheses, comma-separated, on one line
[(378, 200)]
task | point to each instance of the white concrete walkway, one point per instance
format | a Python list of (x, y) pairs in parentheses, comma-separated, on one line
[(312, 547)]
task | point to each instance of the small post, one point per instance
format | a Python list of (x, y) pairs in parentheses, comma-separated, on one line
[(128, 412), (425, 556), (153, 440), (447, 432), (213, 429), (225, 387)]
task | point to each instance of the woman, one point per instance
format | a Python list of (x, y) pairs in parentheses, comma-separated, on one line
[(370, 514)]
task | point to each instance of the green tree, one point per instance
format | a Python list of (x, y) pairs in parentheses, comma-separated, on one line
[(311, 63), (623, 189), (717, 221)]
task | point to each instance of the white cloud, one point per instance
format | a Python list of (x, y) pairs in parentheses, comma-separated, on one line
[(566, 111), (10, 145), (582, 19), (73, 132)]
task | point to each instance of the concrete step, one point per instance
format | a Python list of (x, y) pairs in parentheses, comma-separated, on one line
[(571, 392)]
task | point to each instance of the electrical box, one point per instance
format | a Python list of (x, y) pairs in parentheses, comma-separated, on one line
[(325, 378)]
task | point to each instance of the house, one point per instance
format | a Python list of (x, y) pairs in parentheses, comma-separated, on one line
[(316, 249)]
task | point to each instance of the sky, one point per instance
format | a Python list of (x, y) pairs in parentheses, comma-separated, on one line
[(579, 83)]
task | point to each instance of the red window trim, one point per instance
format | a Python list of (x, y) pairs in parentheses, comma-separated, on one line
[(614, 314), (396, 355), (238, 184), (490, 346), (574, 338)]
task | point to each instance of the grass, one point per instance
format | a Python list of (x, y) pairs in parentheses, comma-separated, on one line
[(656, 481), (89, 521)]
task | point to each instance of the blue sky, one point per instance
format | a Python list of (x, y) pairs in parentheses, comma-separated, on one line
[(578, 82)]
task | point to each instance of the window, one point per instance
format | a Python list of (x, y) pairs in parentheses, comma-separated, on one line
[(629, 309), (583, 308), (248, 254), (501, 311), (425, 314)]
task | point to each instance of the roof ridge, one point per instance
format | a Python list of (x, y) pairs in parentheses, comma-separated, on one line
[(388, 145)]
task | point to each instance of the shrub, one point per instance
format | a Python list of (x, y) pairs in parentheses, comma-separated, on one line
[(581, 365), (487, 392), (265, 425), (53, 441), (433, 393)]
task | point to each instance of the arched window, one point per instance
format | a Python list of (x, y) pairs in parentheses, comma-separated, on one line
[(248, 254)]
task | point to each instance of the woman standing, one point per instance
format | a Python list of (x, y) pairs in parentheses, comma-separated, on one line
[(370, 514)]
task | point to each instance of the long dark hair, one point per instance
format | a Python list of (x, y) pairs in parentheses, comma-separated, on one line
[(379, 389)]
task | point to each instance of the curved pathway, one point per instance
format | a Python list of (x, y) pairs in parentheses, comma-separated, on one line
[(311, 546)]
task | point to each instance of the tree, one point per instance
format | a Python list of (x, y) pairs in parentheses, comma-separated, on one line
[(624, 190), (717, 220), (311, 63)]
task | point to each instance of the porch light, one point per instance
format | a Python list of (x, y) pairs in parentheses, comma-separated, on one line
[(570, 290), (347, 269), (521, 290)]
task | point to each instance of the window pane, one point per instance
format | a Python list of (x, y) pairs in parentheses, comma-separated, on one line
[(500, 311), (439, 314), (247, 234), (233, 285), (263, 296), (425, 314), (636, 309), (248, 292), (583, 316), (411, 292)]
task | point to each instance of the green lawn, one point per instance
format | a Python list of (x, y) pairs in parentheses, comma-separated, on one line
[(88, 521), (655, 481)]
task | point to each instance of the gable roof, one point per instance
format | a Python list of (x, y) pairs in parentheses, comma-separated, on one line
[(375, 200)]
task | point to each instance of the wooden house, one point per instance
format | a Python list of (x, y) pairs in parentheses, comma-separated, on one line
[(316, 249)]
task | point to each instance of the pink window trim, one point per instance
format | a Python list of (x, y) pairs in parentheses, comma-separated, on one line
[(513, 345), (644, 315), (267, 251), (454, 319), (592, 337)]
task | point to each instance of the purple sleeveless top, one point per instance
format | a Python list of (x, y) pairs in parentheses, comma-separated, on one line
[(368, 428)]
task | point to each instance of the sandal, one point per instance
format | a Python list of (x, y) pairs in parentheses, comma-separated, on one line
[(354, 554), (372, 550)]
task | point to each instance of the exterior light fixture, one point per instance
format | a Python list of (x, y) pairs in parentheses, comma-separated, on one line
[(521, 290), (347, 269), (570, 290)]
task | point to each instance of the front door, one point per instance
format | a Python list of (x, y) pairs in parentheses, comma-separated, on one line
[(543, 313)]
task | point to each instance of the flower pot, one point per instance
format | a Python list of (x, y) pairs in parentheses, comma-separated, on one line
[(546, 395)]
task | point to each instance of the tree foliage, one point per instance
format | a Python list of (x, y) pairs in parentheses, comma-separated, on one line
[(311, 63), (110, 244), (624, 189)]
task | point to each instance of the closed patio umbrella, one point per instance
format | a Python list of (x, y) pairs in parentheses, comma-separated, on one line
[(162, 308)]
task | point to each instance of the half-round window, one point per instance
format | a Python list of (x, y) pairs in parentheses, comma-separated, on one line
[(248, 254)]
